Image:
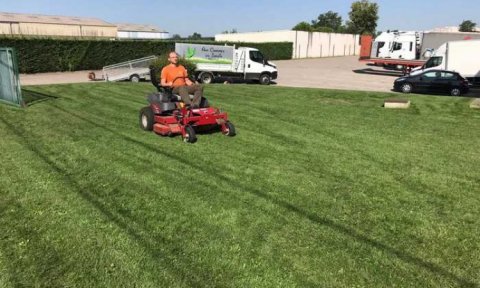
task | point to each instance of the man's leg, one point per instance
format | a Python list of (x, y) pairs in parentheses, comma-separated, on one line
[(197, 91), (183, 92)]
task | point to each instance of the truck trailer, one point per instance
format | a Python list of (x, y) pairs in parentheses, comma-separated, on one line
[(457, 56), (408, 50), (217, 61)]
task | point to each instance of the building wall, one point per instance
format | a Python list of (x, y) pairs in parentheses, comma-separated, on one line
[(40, 29), (305, 44), (142, 35)]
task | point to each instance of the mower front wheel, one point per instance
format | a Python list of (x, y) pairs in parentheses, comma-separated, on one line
[(146, 119), (190, 135), (229, 129)]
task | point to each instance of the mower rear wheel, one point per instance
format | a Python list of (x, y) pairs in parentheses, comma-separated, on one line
[(229, 129), (190, 135), (146, 119)]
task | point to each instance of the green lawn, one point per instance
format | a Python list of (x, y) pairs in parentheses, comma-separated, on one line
[(319, 189)]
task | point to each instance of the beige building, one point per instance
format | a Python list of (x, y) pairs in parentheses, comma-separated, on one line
[(58, 26), (305, 44), (136, 31)]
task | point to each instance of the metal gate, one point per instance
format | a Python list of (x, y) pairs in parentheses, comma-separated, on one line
[(10, 91)]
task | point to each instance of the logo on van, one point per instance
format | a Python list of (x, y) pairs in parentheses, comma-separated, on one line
[(190, 52)]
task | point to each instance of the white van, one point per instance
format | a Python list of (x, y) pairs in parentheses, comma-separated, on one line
[(216, 61), (457, 56)]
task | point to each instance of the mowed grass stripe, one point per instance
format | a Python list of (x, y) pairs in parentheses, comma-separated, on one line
[(310, 192)]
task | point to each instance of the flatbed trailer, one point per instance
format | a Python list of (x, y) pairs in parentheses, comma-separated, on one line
[(406, 65), (401, 64)]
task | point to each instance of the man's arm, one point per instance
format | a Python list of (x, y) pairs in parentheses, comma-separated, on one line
[(187, 80), (163, 79)]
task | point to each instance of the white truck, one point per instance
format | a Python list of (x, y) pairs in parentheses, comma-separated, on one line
[(217, 61), (382, 45), (458, 56)]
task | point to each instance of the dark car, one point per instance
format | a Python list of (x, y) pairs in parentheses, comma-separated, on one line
[(433, 81)]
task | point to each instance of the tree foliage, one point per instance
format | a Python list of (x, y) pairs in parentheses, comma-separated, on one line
[(195, 36), (52, 55), (467, 26), (162, 61), (328, 20), (303, 26), (363, 17), (233, 31)]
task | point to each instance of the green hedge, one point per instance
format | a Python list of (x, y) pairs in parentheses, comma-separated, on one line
[(52, 55)]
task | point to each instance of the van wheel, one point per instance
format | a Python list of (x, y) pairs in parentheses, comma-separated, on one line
[(455, 92), (135, 78), (264, 79), (407, 88), (206, 78)]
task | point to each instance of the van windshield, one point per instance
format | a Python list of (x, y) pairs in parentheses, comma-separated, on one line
[(434, 62), (256, 56)]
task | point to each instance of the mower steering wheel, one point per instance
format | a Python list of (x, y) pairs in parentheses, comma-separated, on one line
[(182, 77)]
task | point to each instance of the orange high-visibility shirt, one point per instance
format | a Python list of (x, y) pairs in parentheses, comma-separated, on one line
[(170, 72)]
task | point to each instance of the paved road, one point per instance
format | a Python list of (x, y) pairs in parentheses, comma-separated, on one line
[(57, 78), (335, 73), (345, 73)]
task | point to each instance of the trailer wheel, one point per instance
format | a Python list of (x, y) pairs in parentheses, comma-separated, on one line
[(206, 78), (407, 88), (264, 79), (135, 78), (455, 92)]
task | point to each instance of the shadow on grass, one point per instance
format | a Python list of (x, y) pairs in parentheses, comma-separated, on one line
[(158, 247), (33, 97), (314, 218), (50, 270)]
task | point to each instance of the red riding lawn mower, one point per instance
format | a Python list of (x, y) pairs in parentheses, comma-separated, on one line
[(168, 116)]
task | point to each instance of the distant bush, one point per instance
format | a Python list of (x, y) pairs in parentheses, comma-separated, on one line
[(162, 62), (51, 55)]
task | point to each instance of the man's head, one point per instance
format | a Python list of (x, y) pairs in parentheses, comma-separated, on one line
[(173, 58)]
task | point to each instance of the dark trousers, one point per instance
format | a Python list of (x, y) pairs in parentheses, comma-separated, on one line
[(185, 91)]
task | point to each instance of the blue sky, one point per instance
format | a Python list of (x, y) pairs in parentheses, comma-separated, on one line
[(210, 17)]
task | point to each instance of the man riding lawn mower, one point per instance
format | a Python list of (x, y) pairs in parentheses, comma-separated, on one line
[(173, 110)]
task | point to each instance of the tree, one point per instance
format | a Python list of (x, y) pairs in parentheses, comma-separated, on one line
[(467, 26), (363, 17), (233, 31), (328, 20), (195, 36), (176, 37), (303, 26)]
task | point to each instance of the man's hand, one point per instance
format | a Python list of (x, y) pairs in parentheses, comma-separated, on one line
[(188, 82)]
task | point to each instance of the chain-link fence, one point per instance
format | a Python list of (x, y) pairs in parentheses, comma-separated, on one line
[(10, 91)]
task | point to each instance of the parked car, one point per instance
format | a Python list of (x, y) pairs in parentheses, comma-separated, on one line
[(433, 81)]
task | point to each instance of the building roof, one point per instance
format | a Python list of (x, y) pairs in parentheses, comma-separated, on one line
[(50, 19), (139, 28), (451, 29)]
